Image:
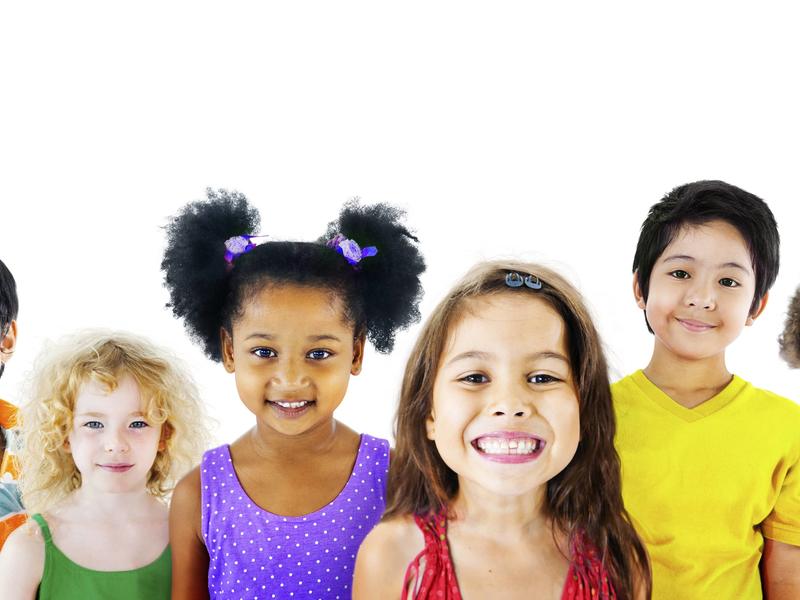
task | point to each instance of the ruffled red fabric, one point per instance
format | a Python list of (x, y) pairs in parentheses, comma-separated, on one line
[(431, 575)]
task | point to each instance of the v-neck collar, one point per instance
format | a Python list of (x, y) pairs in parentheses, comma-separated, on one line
[(709, 407)]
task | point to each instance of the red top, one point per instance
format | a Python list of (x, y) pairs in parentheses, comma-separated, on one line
[(586, 579)]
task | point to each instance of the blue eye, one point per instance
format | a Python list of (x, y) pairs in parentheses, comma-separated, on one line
[(680, 274), (728, 282), (475, 378), (93, 424), (264, 352), (139, 424), (319, 354), (542, 378)]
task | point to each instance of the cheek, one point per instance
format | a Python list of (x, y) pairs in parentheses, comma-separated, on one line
[(564, 417)]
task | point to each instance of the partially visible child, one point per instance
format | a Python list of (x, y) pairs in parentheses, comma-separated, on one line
[(12, 514), (710, 463), (505, 482), (790, 338), (281, 511), (110, 423)]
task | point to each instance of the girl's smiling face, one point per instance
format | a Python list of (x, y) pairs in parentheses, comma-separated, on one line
[(111, 441), (505, 408), (292, 352)]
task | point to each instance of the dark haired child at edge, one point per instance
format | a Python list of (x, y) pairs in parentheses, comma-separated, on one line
[(280, 512), (710, 464), (12, 514), (505, 482)]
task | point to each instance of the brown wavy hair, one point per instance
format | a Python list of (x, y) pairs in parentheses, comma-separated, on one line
[(586, 496)]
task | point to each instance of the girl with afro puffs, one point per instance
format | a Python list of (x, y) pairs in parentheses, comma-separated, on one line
[(281, 511)]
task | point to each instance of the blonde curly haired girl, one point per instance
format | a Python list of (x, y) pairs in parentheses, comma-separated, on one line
[(112, 422)]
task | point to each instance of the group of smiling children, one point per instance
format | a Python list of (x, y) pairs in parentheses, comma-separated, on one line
[(518, 471)]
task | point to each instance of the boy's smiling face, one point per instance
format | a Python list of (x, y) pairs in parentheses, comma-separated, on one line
[(701, 291)]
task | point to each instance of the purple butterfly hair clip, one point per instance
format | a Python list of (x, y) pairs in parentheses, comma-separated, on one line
[(348, 248), (241, 244)]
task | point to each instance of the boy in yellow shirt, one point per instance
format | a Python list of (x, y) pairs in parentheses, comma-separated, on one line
[(11, 512), (710, 464)]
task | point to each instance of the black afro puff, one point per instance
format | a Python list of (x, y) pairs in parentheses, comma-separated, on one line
[(790, 338), (380, 294)]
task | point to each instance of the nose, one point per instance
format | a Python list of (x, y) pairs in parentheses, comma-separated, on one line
[(115, 441), (511, 399), (701, 294), (289, 373)]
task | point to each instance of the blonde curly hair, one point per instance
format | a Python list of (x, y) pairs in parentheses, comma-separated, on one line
[(170, 399), (789, 340)]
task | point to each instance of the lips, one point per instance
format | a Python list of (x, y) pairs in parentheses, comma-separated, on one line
[(509, 446), (116, 467), (291, 409), (695, 326)]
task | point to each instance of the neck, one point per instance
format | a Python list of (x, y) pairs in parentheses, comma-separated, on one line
[(689, 382), (110, 505), (271, 444), (513, 517)]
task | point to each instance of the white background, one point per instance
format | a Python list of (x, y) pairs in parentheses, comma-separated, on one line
[(504, 128)]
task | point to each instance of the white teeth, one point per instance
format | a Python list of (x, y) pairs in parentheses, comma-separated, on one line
[(503, 446), (292, 404)]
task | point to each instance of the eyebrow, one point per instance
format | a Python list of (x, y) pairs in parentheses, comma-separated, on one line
[(731, 265), (488, 355), (100, 415), (311, 338)]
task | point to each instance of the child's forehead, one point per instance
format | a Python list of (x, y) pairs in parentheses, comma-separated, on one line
[(482, 317), (708, 239), (293, 305), (96, 392)]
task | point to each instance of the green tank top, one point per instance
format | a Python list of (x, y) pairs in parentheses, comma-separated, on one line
[(66, 580)]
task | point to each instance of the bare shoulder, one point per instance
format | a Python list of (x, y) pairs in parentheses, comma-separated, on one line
[(187, 493), (189, 554), (185, 508), (22, 562), (384, 557)]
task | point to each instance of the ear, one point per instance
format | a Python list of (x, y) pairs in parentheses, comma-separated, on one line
[(66, 446), (9, 342), (637, 291), (358, 354), (762, 304), (166, 433), (430, 426), (226, 346)]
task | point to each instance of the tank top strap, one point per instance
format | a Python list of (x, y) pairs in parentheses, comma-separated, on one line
[(431, 574), (48, 538), (587, 578)]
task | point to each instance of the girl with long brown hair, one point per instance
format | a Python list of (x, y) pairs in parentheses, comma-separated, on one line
[(505, 482)]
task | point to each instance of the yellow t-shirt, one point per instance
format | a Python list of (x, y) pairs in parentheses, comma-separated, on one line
[(705, 485)]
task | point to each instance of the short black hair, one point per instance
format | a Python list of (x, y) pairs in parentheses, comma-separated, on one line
[(9, 303), (379, 295), (701, 202)]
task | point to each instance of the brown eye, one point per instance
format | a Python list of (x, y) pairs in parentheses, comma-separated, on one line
[(728, 282), (264, 352), (680, 274), (475, 378), (542, 378)]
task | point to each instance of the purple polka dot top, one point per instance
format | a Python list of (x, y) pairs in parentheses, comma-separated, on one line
[(255, 554)]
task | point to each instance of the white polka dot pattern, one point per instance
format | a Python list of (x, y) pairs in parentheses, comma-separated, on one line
[(255, 554)]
